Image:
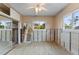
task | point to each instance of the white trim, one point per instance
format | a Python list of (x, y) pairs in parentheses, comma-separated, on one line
[(19, 32)]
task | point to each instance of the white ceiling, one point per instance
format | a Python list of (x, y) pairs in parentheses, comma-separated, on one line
[(52, 8)]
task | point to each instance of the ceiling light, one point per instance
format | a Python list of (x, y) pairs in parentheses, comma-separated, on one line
[(38, 8)]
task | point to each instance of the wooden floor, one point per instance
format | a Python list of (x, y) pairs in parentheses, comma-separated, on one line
[(38, 48)]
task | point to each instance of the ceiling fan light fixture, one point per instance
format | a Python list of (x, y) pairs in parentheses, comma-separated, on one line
[(38, 8)]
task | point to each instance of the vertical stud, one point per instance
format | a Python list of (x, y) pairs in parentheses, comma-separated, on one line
[(70, 42)]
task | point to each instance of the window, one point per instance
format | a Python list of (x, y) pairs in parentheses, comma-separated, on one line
[(39, 25), (68, 22), (5, 24), (1, 25), (76, 20), (72, 21)]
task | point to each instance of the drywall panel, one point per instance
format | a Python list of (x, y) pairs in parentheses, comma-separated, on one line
[(14, 14), (74, 42)]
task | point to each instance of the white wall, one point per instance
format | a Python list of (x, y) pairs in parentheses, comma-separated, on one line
[(49, 20)]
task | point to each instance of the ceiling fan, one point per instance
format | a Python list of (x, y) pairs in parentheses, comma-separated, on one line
[(38, 8)]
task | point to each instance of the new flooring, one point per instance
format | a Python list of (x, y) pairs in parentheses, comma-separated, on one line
[(38, 48)]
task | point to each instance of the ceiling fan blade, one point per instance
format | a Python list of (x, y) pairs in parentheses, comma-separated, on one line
[(43, 8), (30, 8), (42, 4)]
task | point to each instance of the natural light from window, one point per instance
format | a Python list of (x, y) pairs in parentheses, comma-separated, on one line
[(72, 21)]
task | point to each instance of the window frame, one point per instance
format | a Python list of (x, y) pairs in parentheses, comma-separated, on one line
[(72, 15), (38, 29), (67, 15)]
